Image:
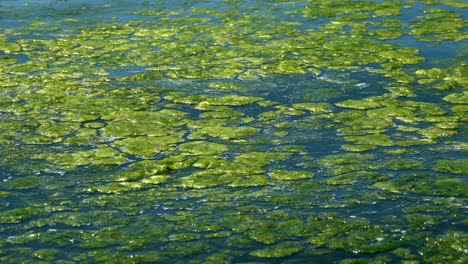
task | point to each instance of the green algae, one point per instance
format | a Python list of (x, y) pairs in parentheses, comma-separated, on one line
[(282, 250), (435, 133), (221, 113), (344, 159), (9, 48), (234, 175), (83, 121), (45, 254), (425, 184), (223, 132), (18, 215), (143, 123), (254, 180), (358, 148), (375, 140), (146, 179), (359, 121), (386, 34), (460, 111), (203, 148), (457, 98), (403, 164), (24, 183), (356, 176), (316, 108), (260, 159), (184, 237), (448, 247), (336, 165), (452, 166), (147, 147), (290, 175), (225, 86), (351, 235), (358, 104), (269, 116), (83, 137), (55, 130), (231, 100), (97, 156), (121, 129), (439, 25), (416, 220)]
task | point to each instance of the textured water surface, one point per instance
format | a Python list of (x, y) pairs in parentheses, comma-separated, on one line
[(233, 131)]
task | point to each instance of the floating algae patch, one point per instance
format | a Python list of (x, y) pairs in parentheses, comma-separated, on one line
[(426, 184), (98, 156), (450, 246), (18, 215), (261, 159), (231, 100), (457, 98), (358, 148), (290, 175), (223, 132), (452, 166), (203, 148), (316, 108), (440, 25), (227, 131), (375, 139), (285, 249), (148, 146), (24, 183)]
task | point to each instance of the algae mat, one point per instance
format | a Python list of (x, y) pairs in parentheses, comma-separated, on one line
[(226, 131)]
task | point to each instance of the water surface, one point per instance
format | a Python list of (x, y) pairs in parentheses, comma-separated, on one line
[(233, 131)]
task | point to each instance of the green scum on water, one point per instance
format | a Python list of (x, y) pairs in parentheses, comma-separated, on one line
[(227, 131)]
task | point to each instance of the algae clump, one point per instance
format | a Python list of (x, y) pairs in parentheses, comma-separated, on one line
[(290, 175), (281, 250)]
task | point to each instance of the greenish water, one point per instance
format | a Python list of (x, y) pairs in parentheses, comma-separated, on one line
[(233, 131)]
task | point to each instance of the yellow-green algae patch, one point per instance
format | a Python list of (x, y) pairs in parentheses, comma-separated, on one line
[(45, 254), (18, 215), (425, 184), (447, 247), (24, 182), (375, 139), (358, 104), (97, 156), (316, 108), (149, 146), (438, 25), (457, 98), (203, 148), (232, 174), (222, 132), (358, 148), (55, 130), (290, 175), (231, 100), (459, 166)]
